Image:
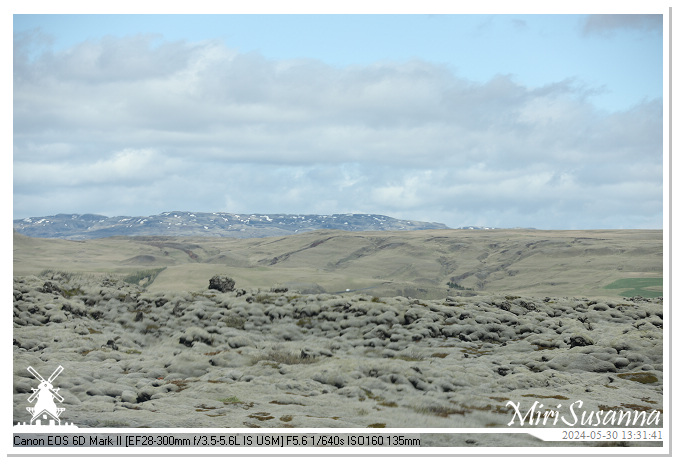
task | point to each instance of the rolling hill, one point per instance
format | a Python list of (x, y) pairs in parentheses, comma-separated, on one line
[(419, 264)]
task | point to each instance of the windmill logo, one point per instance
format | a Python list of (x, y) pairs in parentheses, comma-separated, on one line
[(45, 408)]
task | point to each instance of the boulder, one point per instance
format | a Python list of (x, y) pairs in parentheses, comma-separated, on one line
[(222, 283)]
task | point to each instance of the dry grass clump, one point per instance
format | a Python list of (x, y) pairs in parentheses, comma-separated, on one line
[(281, 357), (556, 397), (236, 322), (440, 411), (411, 355), (143, 278), (264, 298), (230, 400), (641, 377)]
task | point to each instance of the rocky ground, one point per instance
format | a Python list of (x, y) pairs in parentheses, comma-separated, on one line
[(272, 359)]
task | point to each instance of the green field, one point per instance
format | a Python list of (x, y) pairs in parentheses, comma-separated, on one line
[(649, 287)]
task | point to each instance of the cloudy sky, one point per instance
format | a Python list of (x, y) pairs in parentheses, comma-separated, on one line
[(553, 121)]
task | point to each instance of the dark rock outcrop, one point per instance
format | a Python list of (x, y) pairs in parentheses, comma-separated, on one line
[(222, 283)]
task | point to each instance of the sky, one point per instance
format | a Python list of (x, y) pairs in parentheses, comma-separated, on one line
[(551, 121)]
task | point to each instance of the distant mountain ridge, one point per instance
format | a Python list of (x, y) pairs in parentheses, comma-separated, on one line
[(183, 223)]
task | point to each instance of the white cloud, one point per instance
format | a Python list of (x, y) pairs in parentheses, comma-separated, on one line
[(126, 167), (133, 126)]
